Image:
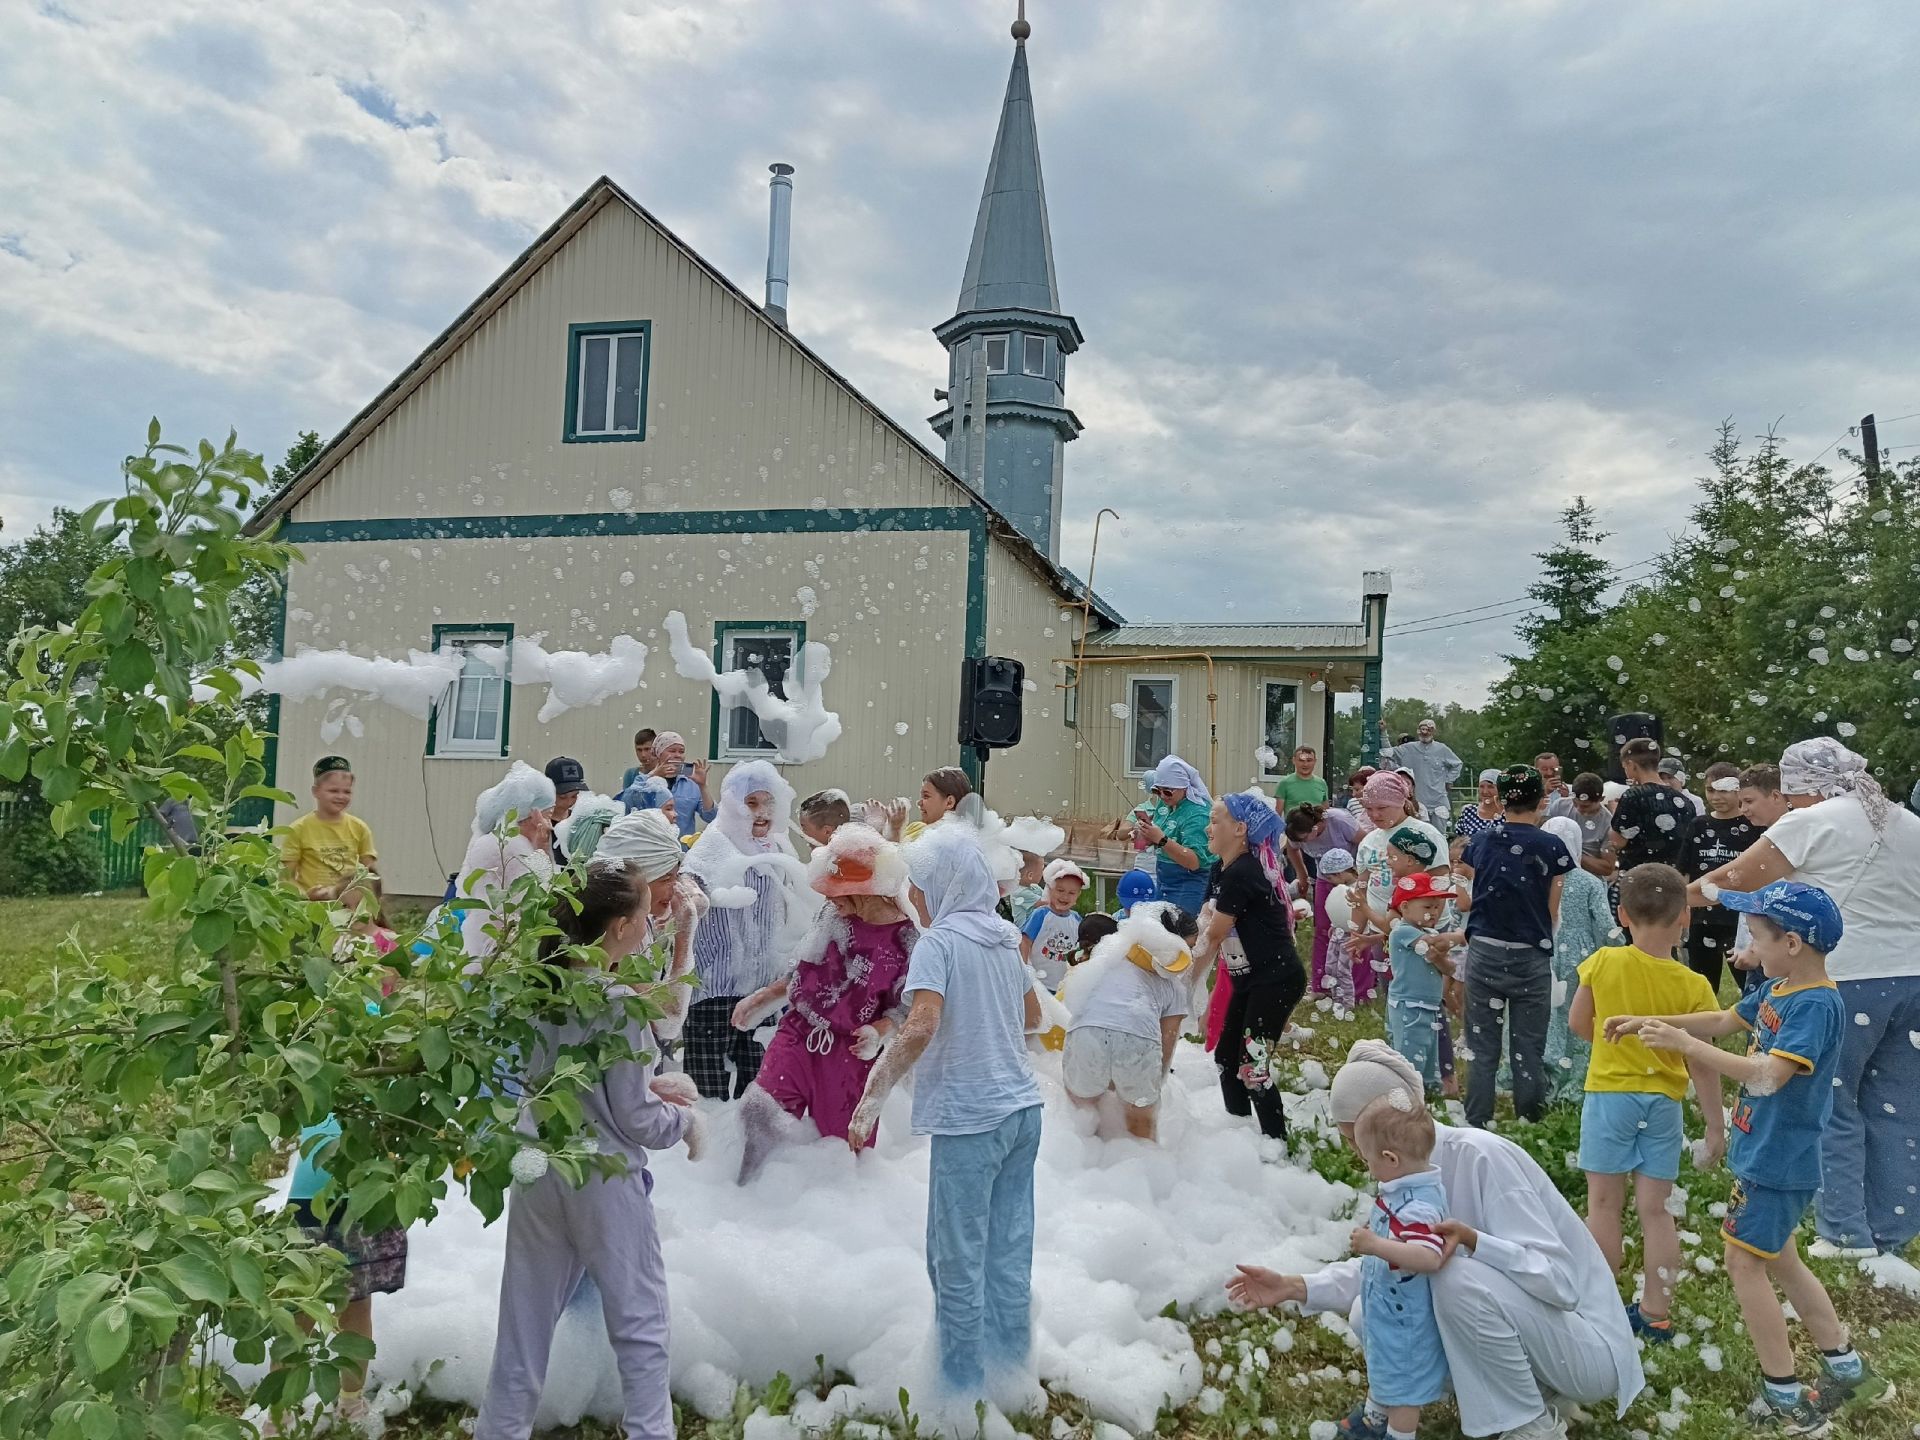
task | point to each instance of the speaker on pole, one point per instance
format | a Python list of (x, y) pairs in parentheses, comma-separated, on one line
[(1634, 726), (991, 692)]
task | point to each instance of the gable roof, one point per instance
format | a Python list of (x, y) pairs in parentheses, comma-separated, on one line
[(1234, 635), (571, 221)]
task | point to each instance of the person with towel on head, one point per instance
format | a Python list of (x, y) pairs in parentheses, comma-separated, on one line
[(603, 1228), (1526, 1305), (758, 899), (843, 997), (1175, 826), (972, 1005), (1267, 978), (512, 839)]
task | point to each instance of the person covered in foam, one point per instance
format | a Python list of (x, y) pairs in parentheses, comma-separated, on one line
[(760, 910), (1128, 1002), (512, 839), (1525, 1302), (843, 997), (558, 1232)]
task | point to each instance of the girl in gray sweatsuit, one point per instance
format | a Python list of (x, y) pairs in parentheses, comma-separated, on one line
[(605, 1228)]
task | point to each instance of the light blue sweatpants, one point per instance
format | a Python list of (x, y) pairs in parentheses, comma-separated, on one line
[(1870, 1152), (980, 1249)]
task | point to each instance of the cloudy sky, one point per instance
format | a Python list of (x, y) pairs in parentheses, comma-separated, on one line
[(1363, 284)]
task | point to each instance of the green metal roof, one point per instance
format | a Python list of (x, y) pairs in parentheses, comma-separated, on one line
[(1010, 264)]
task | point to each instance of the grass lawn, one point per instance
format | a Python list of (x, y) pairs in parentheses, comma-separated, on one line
[(1268, 1374)]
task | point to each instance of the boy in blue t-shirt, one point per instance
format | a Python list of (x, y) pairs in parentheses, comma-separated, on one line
[(1795, 1023), (1052, 933)]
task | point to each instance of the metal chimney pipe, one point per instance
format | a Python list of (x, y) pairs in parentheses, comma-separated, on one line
[(779, 242)]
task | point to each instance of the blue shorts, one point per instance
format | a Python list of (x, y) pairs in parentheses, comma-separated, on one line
[(1762, 1219), (1624, 1132)]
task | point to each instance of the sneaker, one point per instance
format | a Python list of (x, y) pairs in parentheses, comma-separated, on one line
[(1358, 1427), (1549, 1424), (1652, 1333), (1839, 1391), (1824, 1249), (1803, 1417)]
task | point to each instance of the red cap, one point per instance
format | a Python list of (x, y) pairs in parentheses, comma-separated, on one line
[(1422, 886)]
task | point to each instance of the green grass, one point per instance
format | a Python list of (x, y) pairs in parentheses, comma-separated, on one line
[(1296, 1387)]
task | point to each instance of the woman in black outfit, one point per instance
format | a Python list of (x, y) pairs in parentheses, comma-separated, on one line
[(1244, 832)]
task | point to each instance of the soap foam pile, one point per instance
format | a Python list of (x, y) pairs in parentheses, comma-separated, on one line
[(800, 725), (824, 1255)]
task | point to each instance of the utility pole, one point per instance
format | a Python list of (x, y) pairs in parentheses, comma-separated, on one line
[(1870, 457)]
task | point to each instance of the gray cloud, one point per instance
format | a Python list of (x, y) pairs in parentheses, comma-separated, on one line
[(1383, 283)]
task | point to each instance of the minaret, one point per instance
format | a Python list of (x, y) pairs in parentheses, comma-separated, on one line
[(1007, 424)]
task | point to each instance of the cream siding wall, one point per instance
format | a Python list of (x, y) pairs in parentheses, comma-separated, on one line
[(890, 606), (1106, 784), (737, 417), (1024, 623)]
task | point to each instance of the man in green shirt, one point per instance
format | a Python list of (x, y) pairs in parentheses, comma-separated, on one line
[(1303, 787)]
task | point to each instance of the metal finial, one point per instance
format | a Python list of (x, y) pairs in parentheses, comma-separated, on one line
[(1021, 29)]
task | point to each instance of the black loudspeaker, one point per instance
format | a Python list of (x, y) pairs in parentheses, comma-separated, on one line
[(1622, 728), (991, 691)]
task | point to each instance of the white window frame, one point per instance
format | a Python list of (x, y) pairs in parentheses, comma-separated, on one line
[(1027, 342), (1172, 682), (1006, 353), (1283, 760), (446, 710), (615, 339), (796, 636)]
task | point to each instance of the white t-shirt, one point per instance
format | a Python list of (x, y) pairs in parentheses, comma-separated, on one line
[(1055, 937), (1130, 1000), (1879, 898)]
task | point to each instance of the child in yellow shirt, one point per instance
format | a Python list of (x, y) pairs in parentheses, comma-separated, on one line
[(325, 850)]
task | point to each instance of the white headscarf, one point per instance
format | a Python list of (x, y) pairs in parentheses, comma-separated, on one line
[(522, 791), (952, 872), (1173, 773), (761, 906), (1568, 831), (1824, 767), (645, 842)]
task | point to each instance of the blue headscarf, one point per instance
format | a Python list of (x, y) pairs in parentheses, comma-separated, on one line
[(1263, 829)]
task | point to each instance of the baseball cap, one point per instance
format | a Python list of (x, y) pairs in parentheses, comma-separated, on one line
[(569, 776), (1137, 886), (1803, 910), (1417, 887), (1672, 768)]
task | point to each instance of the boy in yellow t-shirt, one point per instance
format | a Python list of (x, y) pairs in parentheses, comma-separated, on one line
[(1630, 1125), (325, 850)]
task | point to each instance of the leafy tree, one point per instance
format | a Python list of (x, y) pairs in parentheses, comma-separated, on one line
[(136, 1115), (299, 455), (257, 602), (43, 577)]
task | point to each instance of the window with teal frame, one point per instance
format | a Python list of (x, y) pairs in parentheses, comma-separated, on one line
[(774, 648), (473, 719), (607, 364)]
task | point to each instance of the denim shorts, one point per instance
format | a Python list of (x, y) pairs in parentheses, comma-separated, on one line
[(1625, 1132), (1762, 1219)]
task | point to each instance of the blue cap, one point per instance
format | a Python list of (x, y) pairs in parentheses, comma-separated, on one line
[(1803, 910), (1136, 887)]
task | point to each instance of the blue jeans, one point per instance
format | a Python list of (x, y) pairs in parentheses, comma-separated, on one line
[(980, 1248), (1870, 1152)]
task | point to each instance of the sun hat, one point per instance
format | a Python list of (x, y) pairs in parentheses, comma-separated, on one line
[(858, 860)]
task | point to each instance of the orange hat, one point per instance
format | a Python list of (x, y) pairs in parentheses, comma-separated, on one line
[(857, 861)]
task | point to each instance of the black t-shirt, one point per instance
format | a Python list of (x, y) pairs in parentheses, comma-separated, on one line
[(1514, 867), (1262, 920), (1653, 821), (1711, 843)]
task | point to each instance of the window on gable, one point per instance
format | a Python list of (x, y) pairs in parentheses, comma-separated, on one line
[(607, 381), (997, 354), (1034, 359), (471, 717), (770, 650), (1150, 721)]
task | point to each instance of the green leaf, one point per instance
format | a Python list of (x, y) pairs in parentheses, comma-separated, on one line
[(319, 974), (107, 1336), (249, 1282), (151, 1303), (13, 758), (165, 1023), (302, 1059), (153, 430), (212, 931), (435, 1050), (130, 667), (79, 1295), (27, 1273), (195, 1278)]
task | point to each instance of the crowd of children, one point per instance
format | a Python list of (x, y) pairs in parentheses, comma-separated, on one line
[(950, 946)]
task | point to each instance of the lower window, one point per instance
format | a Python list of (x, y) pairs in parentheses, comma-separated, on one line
[(471, 718), (770, 650)]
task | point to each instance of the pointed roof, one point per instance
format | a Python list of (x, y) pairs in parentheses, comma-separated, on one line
[(1010, 264)]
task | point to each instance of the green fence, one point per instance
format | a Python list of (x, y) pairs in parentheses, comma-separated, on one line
[(117, 863)]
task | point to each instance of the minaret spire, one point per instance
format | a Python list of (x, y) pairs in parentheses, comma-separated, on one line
[(1008, 424)]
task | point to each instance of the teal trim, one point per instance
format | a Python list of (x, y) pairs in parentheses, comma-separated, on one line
[(896, 518), (642, 328), (724, 628), (1370, 737), (505, 632), (270, 758)]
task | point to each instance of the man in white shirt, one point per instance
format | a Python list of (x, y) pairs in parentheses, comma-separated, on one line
[(1525, 1303), (1434, 768)]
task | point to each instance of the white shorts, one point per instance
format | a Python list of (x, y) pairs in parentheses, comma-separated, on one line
[(1096, 1058)]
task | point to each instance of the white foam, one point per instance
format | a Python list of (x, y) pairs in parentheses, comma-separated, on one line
[(824, 1255), (800, 725)]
